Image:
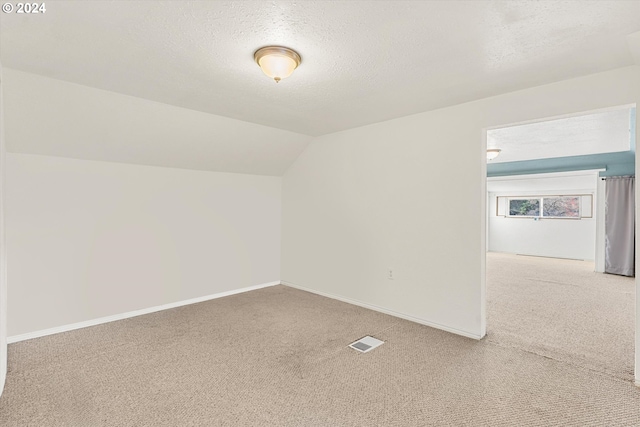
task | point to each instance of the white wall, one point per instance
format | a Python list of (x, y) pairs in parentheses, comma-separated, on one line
[(3, 252), (82, 122), (560, 238), (600, 231), (556, 238), (410, 194), (89, 239)]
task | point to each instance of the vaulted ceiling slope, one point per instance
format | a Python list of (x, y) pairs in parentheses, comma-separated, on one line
[(56, 118), (362, 62)]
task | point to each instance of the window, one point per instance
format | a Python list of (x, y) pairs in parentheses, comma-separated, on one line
[(574, 206), (524, 207), (561, 207)]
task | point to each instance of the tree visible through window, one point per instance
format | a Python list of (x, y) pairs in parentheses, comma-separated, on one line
[(561, 207), (524, 207), (545, 206)]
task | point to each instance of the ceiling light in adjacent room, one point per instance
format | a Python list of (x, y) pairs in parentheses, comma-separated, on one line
[(492, 153), (277, 62)]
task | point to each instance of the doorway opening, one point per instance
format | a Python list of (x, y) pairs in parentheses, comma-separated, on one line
[(546, 290)]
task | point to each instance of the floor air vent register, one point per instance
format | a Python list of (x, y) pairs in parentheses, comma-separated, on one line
[(366, 344)]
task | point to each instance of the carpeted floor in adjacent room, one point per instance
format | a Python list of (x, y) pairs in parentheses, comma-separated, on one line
[(562, 309), (279, 357)]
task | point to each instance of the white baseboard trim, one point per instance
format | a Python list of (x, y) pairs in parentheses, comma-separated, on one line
[(387, 311), (98, 321)]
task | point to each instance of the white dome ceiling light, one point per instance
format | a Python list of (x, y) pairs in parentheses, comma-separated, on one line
[(277, 62)]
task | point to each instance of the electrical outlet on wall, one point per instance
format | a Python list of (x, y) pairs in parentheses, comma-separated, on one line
[(390, 273)]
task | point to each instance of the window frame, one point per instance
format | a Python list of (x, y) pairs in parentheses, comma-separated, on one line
[(540, 198)]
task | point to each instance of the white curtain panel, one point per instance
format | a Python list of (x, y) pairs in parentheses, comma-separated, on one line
[(620, 226)]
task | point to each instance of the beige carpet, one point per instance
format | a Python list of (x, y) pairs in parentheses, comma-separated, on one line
[(563, 310), (279, 357)]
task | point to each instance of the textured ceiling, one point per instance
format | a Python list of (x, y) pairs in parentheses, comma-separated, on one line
[(603, 132), (362, 62)]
